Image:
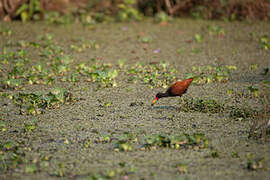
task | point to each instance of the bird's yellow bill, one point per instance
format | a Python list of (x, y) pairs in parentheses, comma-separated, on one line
[(154, 101)]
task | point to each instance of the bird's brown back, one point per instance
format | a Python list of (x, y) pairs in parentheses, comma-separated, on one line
[(179, 87)]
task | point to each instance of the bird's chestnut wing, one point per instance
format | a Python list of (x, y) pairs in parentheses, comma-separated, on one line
[(179, 87)]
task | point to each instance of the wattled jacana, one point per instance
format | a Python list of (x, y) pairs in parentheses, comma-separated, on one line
[(176, 89)]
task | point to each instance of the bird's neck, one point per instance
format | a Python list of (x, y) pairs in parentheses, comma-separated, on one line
[(161, 95)]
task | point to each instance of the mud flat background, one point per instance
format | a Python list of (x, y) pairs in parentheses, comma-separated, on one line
[(104, 131)]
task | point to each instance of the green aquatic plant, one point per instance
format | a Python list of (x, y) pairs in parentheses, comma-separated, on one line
[(101, 74), (29, 127), (124, 142), (215, 153), (254, 90), (54, 17), (182, 168), (146, 39), (241, 113), (254, 67), (264, 42), (204, 105), (30, 10), (176, 141), (127, 11), (5, 31), (154, 74), (3, 126), (254, 163), (61, 170), (11, 155), (216, 30), (94, 18), (211, 73), (162, 17), (235, 155), (123, 145), (198, 38), (36, 103), (11, 83), (31, 168), (83, 46)]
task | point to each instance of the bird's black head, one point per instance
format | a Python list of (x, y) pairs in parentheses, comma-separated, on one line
[(159, 95)]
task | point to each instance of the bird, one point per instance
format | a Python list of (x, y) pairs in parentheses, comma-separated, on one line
[(176, 89)]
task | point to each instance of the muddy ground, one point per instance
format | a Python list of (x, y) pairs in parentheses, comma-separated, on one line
[(68, 142)]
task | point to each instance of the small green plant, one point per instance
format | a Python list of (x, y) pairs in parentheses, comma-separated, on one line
[(11, 155), (121, 63), (235, 155), (129, 141), (128, 12), (3, 126), (123, 145), (216, 30), (254, 90), (83, 46), (254, 164), (182, 168), (35, 103), (11, 83), (264, 42), (30, 10), (241, 113), (204, 105), (5, 31), (229, 92), (30, 169), (102, 74), (146, 39), (124, 142), (162, 17), (106, 138), (198, 12), (176, 142), (154, 74), (55, 17), (254, 66), (198, 38), (91, 19), (87, 143), (29, 127), (215, 154), (61, 170), (211, 73)]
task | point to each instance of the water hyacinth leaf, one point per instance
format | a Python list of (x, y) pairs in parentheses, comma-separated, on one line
[(198, 38), (264, 42), (29, 127), (211, 73), (254, 90), (146, 39), (121, 62)]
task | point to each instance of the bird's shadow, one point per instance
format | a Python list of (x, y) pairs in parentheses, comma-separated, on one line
[(165, 108)]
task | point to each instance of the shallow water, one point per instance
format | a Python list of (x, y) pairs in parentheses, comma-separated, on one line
[(89, 119)]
